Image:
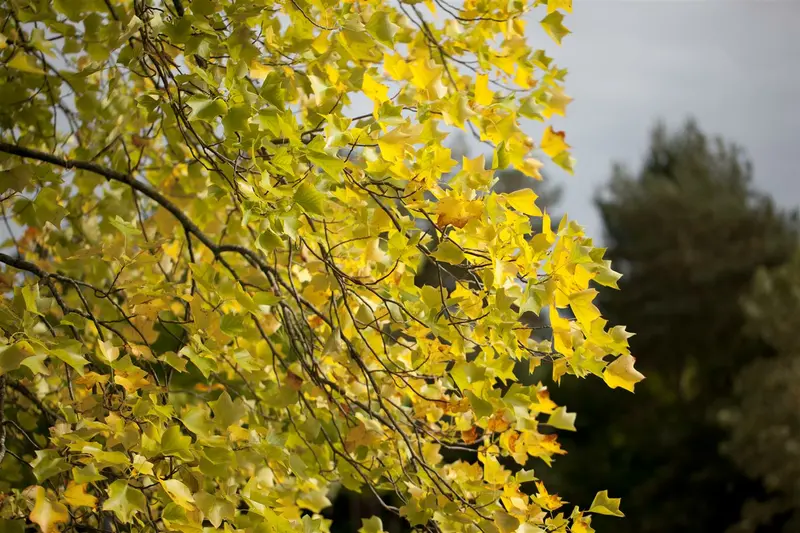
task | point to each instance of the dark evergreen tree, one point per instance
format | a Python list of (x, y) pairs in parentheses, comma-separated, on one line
[(688, 231)]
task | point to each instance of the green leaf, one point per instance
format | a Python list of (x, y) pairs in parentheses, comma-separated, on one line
[(480, 407), (48, 463), (276, 523), (68, 352), (226, 411), (266, 298), (448, 252), (206, 365), (124, 501), (16, 178), (309, 198), (175, 443), (554, 27), (505, 522), (11, 356), (561, 419), (371, 525), (232, 325), (269, 241), (214, 509), (69, 8), (86, 474), (8, 525), (48, 208), (298, 466), (501, 159), (126, 228), (381, 27), (237, 119), (466, 374), (332, 166), (602, 504), (30, 295), (25, 63), (205, 108)]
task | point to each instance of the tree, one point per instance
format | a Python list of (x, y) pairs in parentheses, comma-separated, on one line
[(688, 231), (762, 419), (211, 319)]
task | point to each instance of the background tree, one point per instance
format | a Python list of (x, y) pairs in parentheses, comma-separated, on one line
[(212, 321), (763, 420), (688, 231)]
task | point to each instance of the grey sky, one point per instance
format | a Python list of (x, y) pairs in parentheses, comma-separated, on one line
[(735, 66)]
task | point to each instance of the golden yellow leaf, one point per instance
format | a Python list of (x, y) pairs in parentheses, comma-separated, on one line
[(524, 201), (76, 496), (259, 71), (483, 95), (621, 373), (457, 212), (566, 5), (553, 142), (375, 91), (47, 514)]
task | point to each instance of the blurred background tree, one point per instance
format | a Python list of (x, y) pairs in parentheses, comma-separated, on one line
[(764, 419), (688, 232)]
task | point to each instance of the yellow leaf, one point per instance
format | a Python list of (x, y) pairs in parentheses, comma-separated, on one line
[(493, 471), (449, 253), (551, 502), (602, 504), (107, 351), (556, 103), (621, 373), (457, 212), (524, 201), (562, 336), (393, 145), (553, 142), (583, 308), (76, 496), (483, 95), (179, 493), (48, 514), (423, 75), (377, 92), (259, 71), (396, 66), (361, 435), (566, 5), (25, 63), (530, 167), (141, 466)]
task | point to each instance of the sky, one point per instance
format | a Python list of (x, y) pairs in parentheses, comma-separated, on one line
[(733, 65)]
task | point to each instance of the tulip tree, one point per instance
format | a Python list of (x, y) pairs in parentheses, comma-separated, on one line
[(209, 316)]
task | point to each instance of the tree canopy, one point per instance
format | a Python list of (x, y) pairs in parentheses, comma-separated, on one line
[(209, 315)]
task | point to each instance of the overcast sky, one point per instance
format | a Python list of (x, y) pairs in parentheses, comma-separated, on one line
[(734, 65)]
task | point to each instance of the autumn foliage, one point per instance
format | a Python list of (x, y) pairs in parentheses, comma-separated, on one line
[(209, 315)]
